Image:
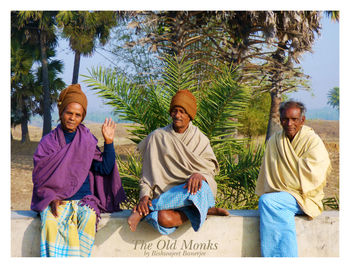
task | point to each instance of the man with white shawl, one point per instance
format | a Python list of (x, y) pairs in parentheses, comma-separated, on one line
[(178, 172), (291, 180)]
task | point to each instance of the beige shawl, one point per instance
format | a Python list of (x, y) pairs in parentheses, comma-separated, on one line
[(299, 167), (170, 158)]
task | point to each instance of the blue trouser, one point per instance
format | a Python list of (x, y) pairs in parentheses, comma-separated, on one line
[(277, 225)]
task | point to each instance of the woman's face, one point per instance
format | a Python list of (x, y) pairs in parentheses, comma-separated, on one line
[(72, 116)]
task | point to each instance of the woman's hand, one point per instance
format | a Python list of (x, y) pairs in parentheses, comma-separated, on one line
[(108, 129)]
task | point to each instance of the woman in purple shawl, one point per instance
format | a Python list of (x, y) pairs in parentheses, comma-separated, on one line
[(74, 182)]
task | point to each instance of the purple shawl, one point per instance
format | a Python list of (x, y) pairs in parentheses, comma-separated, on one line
[(60, 170)]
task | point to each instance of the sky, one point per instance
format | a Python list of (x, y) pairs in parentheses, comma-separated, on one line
[(322, 66)]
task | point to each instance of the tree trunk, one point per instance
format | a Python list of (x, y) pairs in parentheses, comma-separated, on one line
[(24, 121), (46, 89), (25, 132), (76, 67), (274, 118)]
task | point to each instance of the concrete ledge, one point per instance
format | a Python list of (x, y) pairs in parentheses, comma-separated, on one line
[(234, 236)]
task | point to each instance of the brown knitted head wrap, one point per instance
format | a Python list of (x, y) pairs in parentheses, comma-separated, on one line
[(186, 100), (72, 93)]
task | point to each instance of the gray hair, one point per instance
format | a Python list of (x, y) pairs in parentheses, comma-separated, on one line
[(291, 103)]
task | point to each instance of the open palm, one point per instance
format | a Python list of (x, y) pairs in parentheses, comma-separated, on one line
[(108, 129)]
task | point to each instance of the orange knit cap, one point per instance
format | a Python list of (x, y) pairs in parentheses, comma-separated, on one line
[(186, 100), (72, 93)]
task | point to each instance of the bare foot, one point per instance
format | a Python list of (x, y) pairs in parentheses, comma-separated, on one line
[(134, 220), (218, 211)]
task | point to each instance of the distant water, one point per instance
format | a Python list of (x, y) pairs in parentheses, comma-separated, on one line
[(325, 113), (91, 117)]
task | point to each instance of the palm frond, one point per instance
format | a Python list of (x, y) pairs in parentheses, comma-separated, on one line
[(237, 178), (220, 106), (130, 172), (138, 104), (178, 74)]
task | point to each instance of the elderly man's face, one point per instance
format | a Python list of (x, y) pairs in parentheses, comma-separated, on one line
[(180, 118), (292, 121), (72, 116)]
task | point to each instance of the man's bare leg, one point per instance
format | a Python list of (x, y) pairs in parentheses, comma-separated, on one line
[(171, 218), (218, 211), (134, 220)]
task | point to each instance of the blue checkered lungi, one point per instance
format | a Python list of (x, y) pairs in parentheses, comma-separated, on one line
[(71, 234), (277, 225), (194, 206)]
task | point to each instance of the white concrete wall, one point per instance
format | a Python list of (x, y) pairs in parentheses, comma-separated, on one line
[(234, 236)]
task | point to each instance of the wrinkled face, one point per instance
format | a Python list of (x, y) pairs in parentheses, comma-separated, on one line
[(180, 118), (72, 116), (292, 121)]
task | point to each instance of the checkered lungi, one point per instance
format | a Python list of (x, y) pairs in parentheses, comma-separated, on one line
[(194, 206), (71, 234)]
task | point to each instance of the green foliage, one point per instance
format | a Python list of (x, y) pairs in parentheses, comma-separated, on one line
[(85, 28), (255, 118), (27, 98), (144, 106), (130, 172), (220, 105), (331, 202), (237, 179), (333, 97)]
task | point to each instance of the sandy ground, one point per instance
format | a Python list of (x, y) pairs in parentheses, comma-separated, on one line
[(22, 163)]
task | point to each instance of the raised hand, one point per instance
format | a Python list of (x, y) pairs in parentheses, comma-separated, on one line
[(108, 129)]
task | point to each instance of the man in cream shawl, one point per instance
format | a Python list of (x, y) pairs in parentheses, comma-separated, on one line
[(291, 180), (178, 172)]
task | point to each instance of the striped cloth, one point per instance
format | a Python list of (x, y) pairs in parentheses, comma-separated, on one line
[(194, 206), (277, 225), (71, 234)]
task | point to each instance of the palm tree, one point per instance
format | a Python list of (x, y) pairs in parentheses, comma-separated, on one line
[(23, 88), (83, 29), (294, 35), (333, 97), (334, 15), (55, 69), (39, 29)]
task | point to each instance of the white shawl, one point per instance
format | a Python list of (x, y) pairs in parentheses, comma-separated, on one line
[(170, 158), (299, 167)]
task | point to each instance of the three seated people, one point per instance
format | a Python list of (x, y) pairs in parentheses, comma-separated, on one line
[(74, 182)]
